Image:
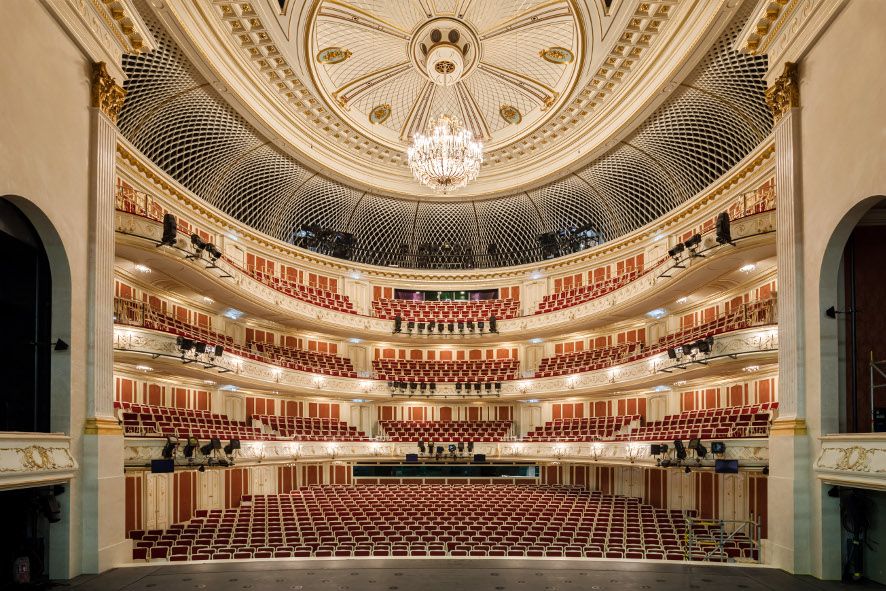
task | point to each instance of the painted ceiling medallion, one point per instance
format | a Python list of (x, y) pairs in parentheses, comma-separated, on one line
[(333, 55), (380, 114), (557, 55), (510, 114)]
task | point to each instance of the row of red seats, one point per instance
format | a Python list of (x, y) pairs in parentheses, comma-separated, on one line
[(137, 313), (589, 359), (311, 429), (444, 431), (394, 520), (306, 293), (721, 423), (473, 371), (310, 361), (581, 429), (159, 421), (585, 293), (748, 315), (445, 311)]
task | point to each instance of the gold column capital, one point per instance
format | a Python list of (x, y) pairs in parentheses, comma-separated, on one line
[(107, 95), (784, 94), (787, 428), (102, 426)]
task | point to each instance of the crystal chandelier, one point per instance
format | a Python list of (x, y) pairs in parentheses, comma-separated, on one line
[(447, 158)]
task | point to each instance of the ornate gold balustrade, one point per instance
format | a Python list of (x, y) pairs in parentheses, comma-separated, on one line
[(852, 459), (35, 459)]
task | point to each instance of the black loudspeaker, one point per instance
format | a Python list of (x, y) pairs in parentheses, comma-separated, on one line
[(724, 233), (170, 229), (880, 419), (219, 351), (200, 348), (398, 323), (726, 466), (672, 353), (493, 324), (412, 457), (479, 458), (162, 466)]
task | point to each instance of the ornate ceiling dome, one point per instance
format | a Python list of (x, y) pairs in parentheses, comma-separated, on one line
[(389, 68), (192, 127)]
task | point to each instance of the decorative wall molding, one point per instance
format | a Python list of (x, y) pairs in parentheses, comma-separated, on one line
[(749, 452), (35, 459), (246, 372), (857, 460), (784, 94), (107, 95)]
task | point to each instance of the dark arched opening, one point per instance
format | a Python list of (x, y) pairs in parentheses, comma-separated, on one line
[(26, 318)]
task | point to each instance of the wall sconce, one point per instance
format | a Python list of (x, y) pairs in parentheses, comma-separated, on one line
[(571, 382), (596, 450), (318, 381), (635, 450)]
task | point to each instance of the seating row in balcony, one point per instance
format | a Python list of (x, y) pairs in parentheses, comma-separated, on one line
[(473, 371), (716, 423), (581, 429), (311, 429), (158, 421), (589, 359), (310, 361), (445, 312), (443, 431), (748, 315), (464, 520), (585, 293), (306, 293)]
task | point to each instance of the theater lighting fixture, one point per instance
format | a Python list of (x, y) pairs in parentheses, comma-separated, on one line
[(144, 368), (214, 444), (142, 268), (657, 313), (676, 250), (169, 449), (447, 157), (184, 345), (198, 243), (700, 450), (680, 449), (208, 300), (233, 314), (751, 368), (747, 268), (682, 300), (190, 446), (232, 445), (718, 447), (536, 340)]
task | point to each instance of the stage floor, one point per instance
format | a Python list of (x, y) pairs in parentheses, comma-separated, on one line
[(449, 575)]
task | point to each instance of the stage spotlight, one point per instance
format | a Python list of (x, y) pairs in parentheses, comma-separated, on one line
[(705, 345), (192, 444), (470, 446), (461, 327), (170, 230), (724, 233), (398, 323), (493, 324), (410, 326), (675, 252), (470, 325), (234, 444), (693, 242), (218, 351), (718, 447), (197, 243), (452, 448), (700, 450), (672, 353), (214, 252), (680, 449), (440, 327), (184, 344), (214, 444), (687, 349), (450, 327), (439, 453), (200, 348), (169, 448), (461, 447), (421, 446), (420, 327)]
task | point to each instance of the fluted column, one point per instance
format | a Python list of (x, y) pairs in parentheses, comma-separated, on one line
[(789, 461), (102, 482)]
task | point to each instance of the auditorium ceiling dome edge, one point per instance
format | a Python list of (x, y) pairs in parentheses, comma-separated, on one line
[(591, 114)]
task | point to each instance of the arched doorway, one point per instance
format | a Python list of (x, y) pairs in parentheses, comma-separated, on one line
[(26, 318), (854, 324)]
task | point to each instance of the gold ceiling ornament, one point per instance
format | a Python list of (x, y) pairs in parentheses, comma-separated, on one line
[(379, 114), (784, 94), (107, 95), (557, 55), (510, 114), (333, 55)]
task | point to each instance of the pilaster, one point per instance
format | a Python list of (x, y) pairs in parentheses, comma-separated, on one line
[(104, 543), (789, 452)]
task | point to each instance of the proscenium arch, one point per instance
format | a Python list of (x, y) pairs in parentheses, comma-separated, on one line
[(60, 271)]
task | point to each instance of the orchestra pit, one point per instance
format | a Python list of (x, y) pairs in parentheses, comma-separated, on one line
[(434, 294)]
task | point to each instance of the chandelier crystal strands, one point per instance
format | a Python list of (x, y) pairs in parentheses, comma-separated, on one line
[(447, 158)]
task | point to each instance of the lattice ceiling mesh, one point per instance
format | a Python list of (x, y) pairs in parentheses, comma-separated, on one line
[(715, 118)]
